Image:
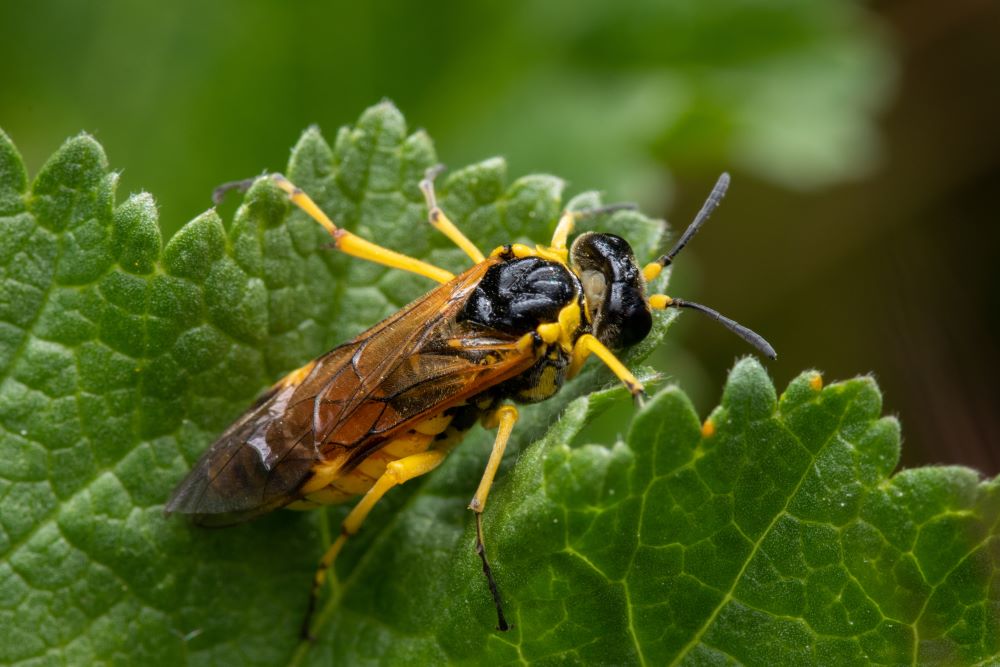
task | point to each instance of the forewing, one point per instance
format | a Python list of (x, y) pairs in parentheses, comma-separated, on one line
[(252, 468), (413, 365), (348, 402), (435, 374)]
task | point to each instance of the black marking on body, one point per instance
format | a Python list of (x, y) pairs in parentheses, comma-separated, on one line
[(517, 295)]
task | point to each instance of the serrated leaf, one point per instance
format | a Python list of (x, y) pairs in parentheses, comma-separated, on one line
[(781, 535)]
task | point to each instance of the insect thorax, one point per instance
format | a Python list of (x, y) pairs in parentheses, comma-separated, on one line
[(515, 297)]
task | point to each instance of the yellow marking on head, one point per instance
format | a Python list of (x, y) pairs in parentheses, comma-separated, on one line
[(816, 382), (659, 301), (526, 342), (708, 428), (652, 271)]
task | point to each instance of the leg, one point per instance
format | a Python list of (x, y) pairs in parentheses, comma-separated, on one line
[(587, 345), (506, 417), (395, 474), (568, 220), (354, 245), (441, 222)]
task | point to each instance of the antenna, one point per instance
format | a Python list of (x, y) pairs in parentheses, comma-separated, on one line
[(652, 270), (713, 201), (743, 332)]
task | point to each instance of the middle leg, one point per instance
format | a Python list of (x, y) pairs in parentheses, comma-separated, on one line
[(441, 222)]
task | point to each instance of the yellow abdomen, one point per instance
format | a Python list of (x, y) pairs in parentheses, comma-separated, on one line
[(330, 484)]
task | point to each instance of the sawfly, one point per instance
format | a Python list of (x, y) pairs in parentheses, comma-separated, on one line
[(389, 405)]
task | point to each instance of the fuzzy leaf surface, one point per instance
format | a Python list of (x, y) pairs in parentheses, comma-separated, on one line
[(122, 358)]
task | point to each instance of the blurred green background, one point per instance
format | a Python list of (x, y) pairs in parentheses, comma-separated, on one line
[(860, 234)]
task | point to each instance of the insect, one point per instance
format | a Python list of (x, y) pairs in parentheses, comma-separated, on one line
[(389, 405)]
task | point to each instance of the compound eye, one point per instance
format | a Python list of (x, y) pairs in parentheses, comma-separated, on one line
[(614, 288), (626, 318)]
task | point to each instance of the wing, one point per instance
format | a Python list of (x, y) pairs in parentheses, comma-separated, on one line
[(348, 403)]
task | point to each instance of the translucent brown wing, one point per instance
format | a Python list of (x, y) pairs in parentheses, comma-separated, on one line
[(348, 403)]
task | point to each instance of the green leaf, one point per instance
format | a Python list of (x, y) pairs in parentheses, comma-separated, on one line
[(779, 536)]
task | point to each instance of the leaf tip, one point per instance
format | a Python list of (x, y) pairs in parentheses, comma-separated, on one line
[(196, 246), (807, 386), (749, 394), (311, 160), (484, 181), (13, 176), (79, 164), (534, 201), (137, 237), (670, 404), (385, 118)]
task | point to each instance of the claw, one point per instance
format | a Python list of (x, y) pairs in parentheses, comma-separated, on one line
[(219, 193)]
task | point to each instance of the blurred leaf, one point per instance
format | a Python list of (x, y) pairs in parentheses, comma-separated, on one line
[(787, 91), (781, 535), (607, 95)]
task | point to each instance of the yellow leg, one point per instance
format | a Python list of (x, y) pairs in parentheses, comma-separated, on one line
[(395, 474), (353, 244), (587, 345), (441, 222), (567, 221), (504, 418)]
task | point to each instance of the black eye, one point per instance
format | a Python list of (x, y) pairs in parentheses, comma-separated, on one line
[(614, 288), (626, 318)]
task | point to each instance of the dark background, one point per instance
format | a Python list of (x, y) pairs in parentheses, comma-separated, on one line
[(860, 234)]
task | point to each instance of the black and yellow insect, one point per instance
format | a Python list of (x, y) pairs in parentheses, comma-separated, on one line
[(389, 405)]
